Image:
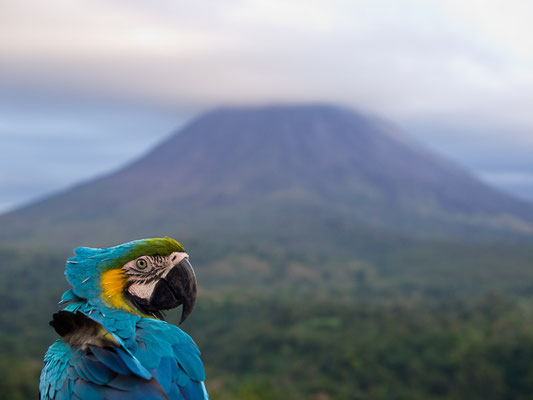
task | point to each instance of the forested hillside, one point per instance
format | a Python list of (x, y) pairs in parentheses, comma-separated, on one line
[(336, 259)]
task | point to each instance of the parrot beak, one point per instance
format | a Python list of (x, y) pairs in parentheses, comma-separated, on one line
[(185, 280), (177, 288)]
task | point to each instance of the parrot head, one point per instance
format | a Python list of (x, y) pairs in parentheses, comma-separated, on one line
[(143, 277)]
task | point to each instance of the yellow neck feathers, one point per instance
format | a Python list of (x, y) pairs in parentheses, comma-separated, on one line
[(113, 283)]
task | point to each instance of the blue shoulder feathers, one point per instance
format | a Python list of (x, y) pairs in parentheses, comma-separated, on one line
[(162, 363)]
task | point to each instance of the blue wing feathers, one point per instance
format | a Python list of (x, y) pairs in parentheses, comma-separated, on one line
[(65, 391), (87, 390), (160, 361), (163, 373), (110, 359), (100, 374), (174, 393), (189, 361), (62, 395), (133, 364), (193, 391)]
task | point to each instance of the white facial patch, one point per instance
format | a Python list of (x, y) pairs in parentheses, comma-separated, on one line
[(143, 290), (144, 284)]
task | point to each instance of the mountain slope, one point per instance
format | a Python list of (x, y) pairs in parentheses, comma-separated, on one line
[(296, 168)]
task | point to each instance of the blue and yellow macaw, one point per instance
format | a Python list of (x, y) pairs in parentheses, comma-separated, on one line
[(114, 342)]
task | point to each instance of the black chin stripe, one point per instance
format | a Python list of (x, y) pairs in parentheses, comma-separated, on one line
[(143, 305)]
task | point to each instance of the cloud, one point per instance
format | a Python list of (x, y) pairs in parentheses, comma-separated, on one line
[(393, 57)]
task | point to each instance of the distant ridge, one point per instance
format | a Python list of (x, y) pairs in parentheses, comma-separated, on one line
[(277, 168)]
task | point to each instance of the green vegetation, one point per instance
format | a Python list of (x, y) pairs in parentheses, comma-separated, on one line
[(326, 350), (335, 260), (401, 319)]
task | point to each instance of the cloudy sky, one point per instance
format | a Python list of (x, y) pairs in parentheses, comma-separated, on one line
[(86, 85)]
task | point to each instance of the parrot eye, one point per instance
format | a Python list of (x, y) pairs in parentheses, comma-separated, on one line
[(141, 263)]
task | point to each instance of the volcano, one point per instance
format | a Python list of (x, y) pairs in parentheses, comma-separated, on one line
[(280, 168)]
